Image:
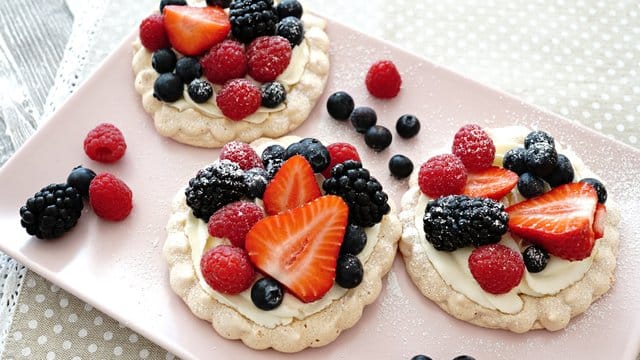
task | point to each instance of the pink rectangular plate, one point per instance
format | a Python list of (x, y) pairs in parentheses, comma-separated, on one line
[(118, 267)]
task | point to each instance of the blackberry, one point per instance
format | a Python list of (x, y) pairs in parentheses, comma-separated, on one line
[(273, 94), (349, 271), (515, 160), (355, 239), (562, 174), (80, 178), (378, 138), (215, 186), (362, 118), (251, 19), (400, 166), (168, 87), (538, 136), (362, 193), (340, 105), (266, 294), (600, 189), (256, 180), (200, 91), (52, 211), (530, 185), (289, 8), (407, 126), (164, 3), (188, 69), (457, 221), (163, 60), (535, 258), (291, 28), (542, 159), (312, 149), (222, 3)]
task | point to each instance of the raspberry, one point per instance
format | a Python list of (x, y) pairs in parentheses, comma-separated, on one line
[(339, 153), (442, 175), (233, 221), (474, 147), (105, 143), (227, 269), (110, 197), (497, 268), (268, 57), (383, 80), (241, 154), (152, 33), (238, 99), (225, 61)]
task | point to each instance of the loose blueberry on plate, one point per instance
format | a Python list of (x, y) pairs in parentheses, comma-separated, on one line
[(464, 357), (530, 185), (378, 138), (515, 160), (421, 357), (542, 158), (535, 258), (266, 294), (168, 87), (400, 166), (600, 189), (188, 69), (407, 126), (288, 8), (80, 178), (538, 136), (163, 60), (273, 94), (291, 28), (200, 91), (562, 174), (340, 105), (349, 271), (363, 118), (355, 239)]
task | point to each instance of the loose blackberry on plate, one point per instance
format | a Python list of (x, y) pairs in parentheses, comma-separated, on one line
[(251, 19), (52, 211)]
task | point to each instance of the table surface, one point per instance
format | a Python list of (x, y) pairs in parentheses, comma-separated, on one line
[(579, 59)]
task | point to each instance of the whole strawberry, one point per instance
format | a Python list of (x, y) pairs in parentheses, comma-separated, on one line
[(110, 197), (497, 268)]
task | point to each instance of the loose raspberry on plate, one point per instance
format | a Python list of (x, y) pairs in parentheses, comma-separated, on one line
[(383, 80), (497, 268), (238, 99), (105, 143), (442, 175), (268, 57), (227, 269), (225, 61), (339, 153), (241, 154), (152, 33), (233, 221), (110, 197), (474, 147)]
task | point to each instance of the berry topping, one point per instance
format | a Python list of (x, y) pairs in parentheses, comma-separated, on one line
[(400, 166), (163, 60), (241, 154), (268, 57), (560, 221), (273, 94), (293, 185), (227, 269), (251, 19), (339, 153), (600, 189), (362, 192), (287, 8), (266, 294), (105, 143), (80, 178), (355, 239), (256, 180), (188, 69), (442, 175), (383, 80), (194, 30), (110, 197), (52, 211), (515, 160), (291, 28), (225, 61), (362, 118), (535, 137), (340, 105), (164, 3), (152, 33), (542, 159), (312, 149), (530, 185), (233, 221), (222, 3), (457, 221), (168, 87), (300, 247), (562, 174), (493, 183), (272, 158), (200, 91), (378, 138), (407, 126), (599, 221), (238, 99), (213, 187), (535, 258), (349, 271), (496, 268), (474, 147)]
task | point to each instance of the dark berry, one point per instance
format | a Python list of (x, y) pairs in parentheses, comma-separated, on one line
[(464, 357), (515, 160), (535, 258), (188, 69), (407, 126), (363, 118), (288, 8), (163, 60), (355, 239), (273, 94), (538, 136), (600, 189), (291, 28), (271, 153), (222, 3), (530, 185), (80, 178), (200, 91), (52, 211), (340, 105), (542, 159), (312, 149), (421, 357), (378, 138), (256, 180), (349, 271), (400, 166), (266, 294), (168, 87), (562, 174), (251, 19), (164, 3)]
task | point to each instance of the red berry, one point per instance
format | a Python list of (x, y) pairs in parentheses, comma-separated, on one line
[(241, 154), (152, 33), (268, 57), (225, 61), (110, 197), (238, 99), (497, 268), (227, 269), (474, 147), (383, 80), (339, 153), (105, 143), (233, 221), (442, 175)]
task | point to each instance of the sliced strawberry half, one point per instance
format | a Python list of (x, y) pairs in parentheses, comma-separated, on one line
[(300, 247), (493, 183), (598, 221), (294, 185), (194, 30), (561, 221)]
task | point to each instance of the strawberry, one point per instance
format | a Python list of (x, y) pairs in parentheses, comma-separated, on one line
[(294, 185), (493, 183), (194, 30), (300, 247), (598, 221), (560, 221)]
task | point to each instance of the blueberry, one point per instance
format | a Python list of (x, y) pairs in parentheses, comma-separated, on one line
[(291, 28), (562, 174), (542, 159), (378, 138), (407, 126), (362, 118), (464, 357), (340, 105), (273, 94), (222, 3), (168, 87), (312, 149), (266, 294), (538, 136), (271, 153), (164, 3), (349, 271), (530, 185), (535, 258), (288, 8), (200, 91), (163, 60), (600, 189), (256, 180), (188, 69), (421, 357), (400, 166), (515, 160), (355, 239), (80, 178)]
